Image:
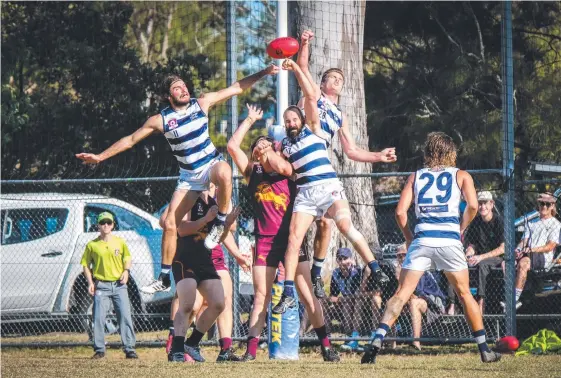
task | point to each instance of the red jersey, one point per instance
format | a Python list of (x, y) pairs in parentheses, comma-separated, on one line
[(272, 196)]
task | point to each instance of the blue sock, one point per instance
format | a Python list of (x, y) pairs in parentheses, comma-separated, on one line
[(316, 267), (481, 341), (373, 265), (381, 331), (289, 288)]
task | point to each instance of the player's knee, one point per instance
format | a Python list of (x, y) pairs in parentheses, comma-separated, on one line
[(169, 224), (294, 243), (463, 294), (224, 174), (217, 306), (186, 308), (323, 226)]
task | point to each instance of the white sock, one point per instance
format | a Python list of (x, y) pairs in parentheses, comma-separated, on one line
[(518, 293)]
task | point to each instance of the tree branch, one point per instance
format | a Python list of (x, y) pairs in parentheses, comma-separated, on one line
[(445, 31), (467, 5), (538, 33)]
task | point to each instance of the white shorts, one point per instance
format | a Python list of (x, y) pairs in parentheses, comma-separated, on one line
[(316, 200), (422, 258), (199, 181)]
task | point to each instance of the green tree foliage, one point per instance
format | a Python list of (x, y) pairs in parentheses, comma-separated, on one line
[(65, 87), (436, 66)]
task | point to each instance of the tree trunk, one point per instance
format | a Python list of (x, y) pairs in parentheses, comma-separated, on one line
[(339, 31)]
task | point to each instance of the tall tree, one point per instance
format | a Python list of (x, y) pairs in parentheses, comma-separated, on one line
[(338, 42)]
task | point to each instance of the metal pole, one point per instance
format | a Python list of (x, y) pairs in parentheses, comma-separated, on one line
[(282, 77), (508, 166), (231, 78)]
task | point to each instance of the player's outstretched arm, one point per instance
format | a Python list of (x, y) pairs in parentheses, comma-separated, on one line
[(154, 123), (465, 181), (356, 153), (234, 144), (303, 59), (208, 100), (310, 100), (403, 205)]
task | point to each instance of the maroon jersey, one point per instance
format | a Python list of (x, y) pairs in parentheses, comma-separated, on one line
[(199, 210), (272, 196)]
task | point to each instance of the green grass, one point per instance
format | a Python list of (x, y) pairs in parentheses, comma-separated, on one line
[(76, 362)]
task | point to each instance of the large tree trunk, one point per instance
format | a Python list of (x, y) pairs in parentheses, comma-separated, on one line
[(339, 31)]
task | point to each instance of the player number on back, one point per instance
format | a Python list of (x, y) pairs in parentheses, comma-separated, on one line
[(443, 184)]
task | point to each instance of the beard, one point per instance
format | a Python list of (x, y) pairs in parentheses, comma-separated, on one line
[(293, 132), (180, 102)]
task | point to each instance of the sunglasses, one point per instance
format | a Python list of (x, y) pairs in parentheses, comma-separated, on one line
[(103, 222), (483, 202), (544, 204), (342, 258)]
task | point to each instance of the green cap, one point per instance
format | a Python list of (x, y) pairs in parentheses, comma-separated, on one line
[(105, 215)]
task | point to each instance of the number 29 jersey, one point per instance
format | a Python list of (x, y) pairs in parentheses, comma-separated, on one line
[(437, 206)]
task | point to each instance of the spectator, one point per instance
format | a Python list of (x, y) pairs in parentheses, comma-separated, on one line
[(536, 249), (345, 285), (428, 300), (484, 241), (110, 262)]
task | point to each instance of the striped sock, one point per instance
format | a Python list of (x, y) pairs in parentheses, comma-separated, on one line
[(481, 341), (381, 331), (289, 288), (316, 267)]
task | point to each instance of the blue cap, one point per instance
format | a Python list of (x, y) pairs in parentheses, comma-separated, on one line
[(344, 252)]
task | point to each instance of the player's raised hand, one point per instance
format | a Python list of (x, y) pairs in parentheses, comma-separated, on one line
[(388, 155), (89, 158), (307, 36), (254, 112), (231, 218), (289, 65), (272, 70), (211, 213)]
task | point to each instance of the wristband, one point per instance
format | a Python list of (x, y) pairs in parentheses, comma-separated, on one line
[(250, 119)]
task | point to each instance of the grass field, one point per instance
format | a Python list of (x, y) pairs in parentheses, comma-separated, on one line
[(76, 362)]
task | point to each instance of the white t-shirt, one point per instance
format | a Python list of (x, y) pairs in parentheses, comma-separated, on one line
[(540, 232)]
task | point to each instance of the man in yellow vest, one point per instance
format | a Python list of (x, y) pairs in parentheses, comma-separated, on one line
[(107, 263)]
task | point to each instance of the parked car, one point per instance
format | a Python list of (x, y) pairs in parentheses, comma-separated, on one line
[(43, 238)]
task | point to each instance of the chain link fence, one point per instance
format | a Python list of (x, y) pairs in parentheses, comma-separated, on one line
[(46, 225)]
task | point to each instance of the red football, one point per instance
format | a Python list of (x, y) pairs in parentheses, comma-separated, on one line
[(283, 47), (508, 343)]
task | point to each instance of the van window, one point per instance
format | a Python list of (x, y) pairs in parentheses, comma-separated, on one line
[(23, 225), (125, 220)]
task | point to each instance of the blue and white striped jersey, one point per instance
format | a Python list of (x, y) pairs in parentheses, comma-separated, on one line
[(437, 206), (331, 118), (187, 134), (308, 155)]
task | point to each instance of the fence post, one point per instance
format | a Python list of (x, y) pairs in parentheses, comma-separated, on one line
[(508, 166), (231, 77)]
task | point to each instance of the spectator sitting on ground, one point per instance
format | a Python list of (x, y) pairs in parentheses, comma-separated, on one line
[(344, 290), (484, 241), (428, 299), (536, 249)]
